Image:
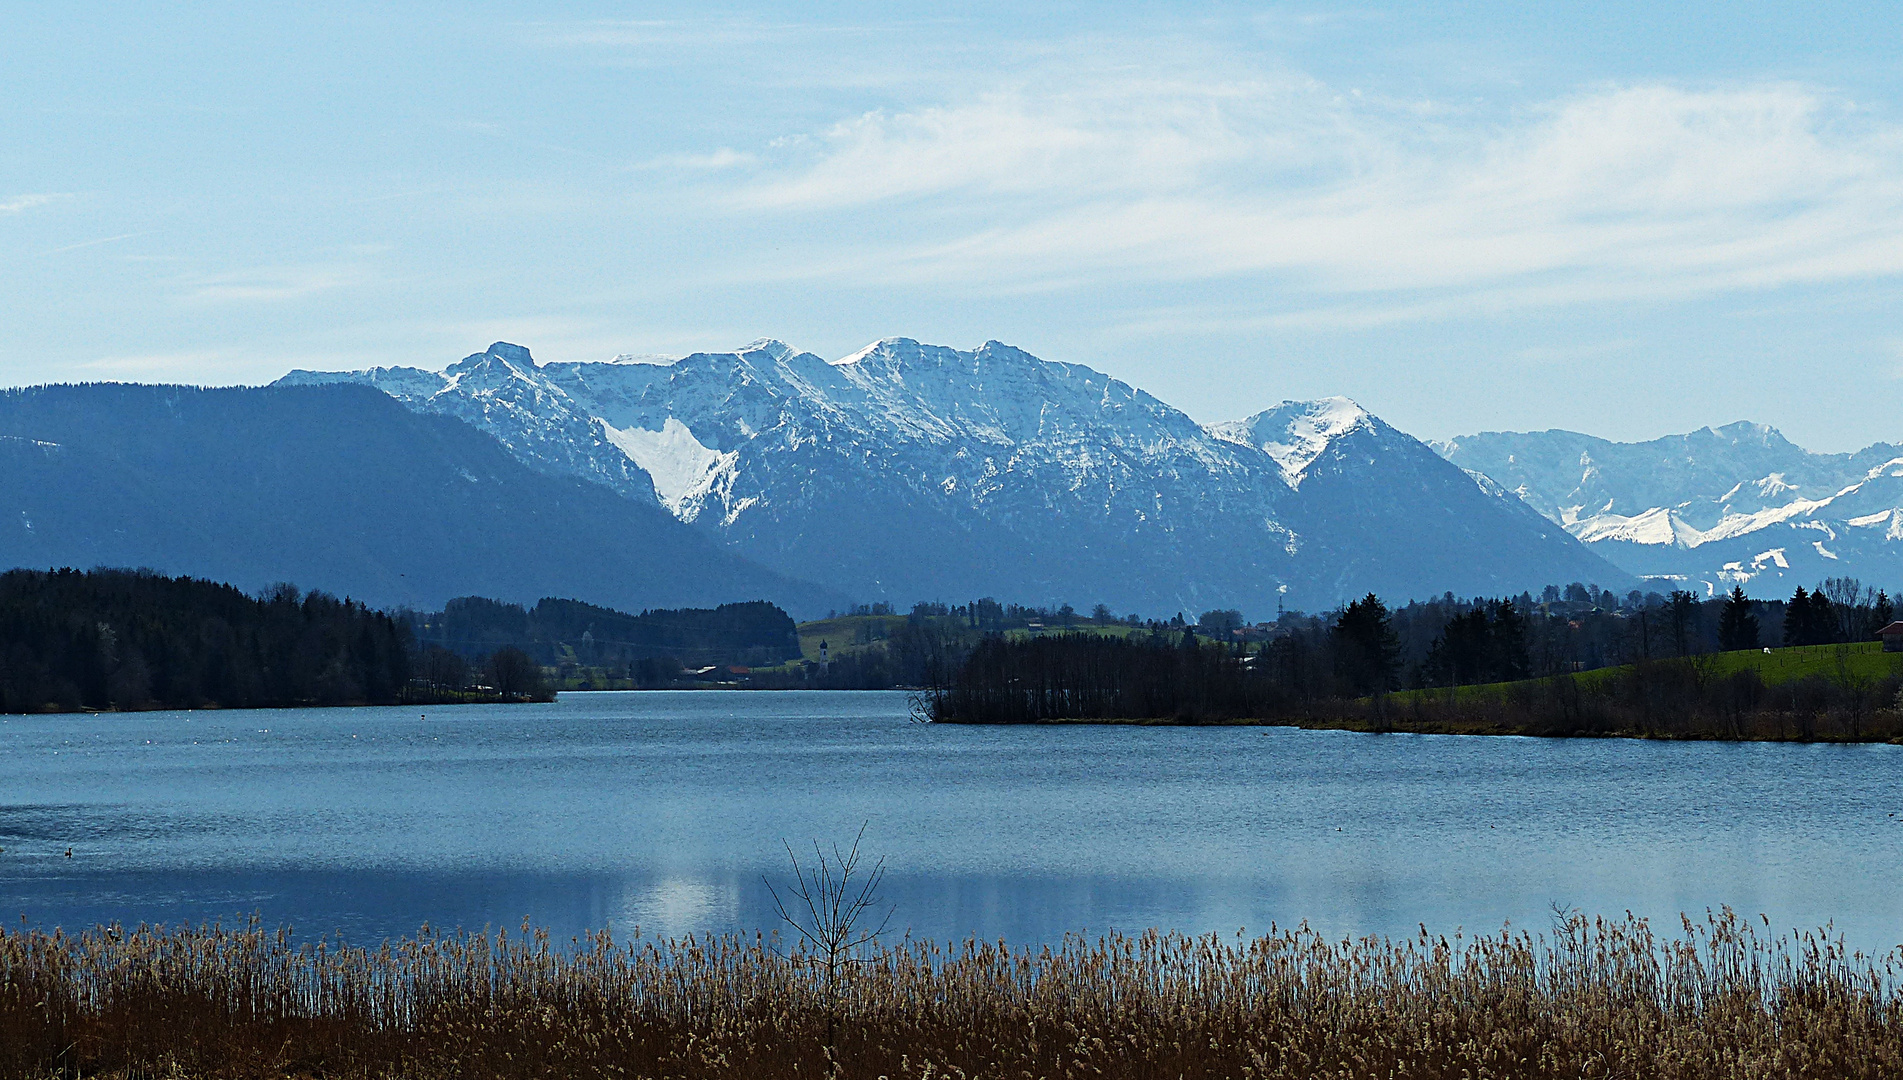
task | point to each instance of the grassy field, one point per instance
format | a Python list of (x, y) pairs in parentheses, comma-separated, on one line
[(1863, 660), (846, 634), (1081, 628)]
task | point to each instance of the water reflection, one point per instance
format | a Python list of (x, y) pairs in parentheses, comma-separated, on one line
[(664, 811)]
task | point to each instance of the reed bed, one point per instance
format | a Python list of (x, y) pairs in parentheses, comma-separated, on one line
[(1589, 998)]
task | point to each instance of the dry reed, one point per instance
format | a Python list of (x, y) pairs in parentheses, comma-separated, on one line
[(1590, 998)]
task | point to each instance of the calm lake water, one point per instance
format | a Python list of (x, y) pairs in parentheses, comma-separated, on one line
[(664, 811)]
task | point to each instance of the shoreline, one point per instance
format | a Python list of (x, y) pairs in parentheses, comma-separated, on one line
[(1477, 729)]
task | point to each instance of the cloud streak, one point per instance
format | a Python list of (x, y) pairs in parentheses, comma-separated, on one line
[(92, 243), (1642, 190), (18, 203), (274, 284)]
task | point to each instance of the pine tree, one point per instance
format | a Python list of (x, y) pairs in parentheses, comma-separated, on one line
[(1796, 612), (1511, 657), (1737, 623), (1809, 619), (1367, 651)]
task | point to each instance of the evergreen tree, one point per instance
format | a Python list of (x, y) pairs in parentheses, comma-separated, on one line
[(1809, 619), (1461, 654), (1683, 611), (1511, 657), (1367, 651), (1796, 610), (1737, 623)]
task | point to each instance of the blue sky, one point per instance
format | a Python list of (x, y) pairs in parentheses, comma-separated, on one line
[(1627, 219)]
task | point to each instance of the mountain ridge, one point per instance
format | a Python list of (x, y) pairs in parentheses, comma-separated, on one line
[(337, 488), (1012, 475), (1738, 504)]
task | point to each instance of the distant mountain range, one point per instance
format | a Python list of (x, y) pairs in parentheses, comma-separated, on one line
[(337, 488), (1739, 504), (902, 472), (909, 471)]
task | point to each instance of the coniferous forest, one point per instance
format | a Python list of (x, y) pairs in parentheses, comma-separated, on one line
[(1681, 668), (127, 639), (756, 632)]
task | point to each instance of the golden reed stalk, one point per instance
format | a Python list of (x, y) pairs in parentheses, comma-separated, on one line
[(1590, 998)]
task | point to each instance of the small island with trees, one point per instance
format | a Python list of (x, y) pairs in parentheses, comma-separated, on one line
[(1679, 669)]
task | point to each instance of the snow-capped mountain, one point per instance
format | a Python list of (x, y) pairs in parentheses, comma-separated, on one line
[(337, 488), (1383, 512), (909, 471), (504, 393), (1738, 504)]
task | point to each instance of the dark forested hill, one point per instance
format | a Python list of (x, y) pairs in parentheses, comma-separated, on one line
[(127, 640), (339, 488), (554, 630)]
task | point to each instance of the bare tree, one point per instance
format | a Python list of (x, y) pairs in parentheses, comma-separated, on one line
[(827, 906), (1847, 597)]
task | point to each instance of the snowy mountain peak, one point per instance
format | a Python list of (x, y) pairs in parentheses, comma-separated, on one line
[(1295, 433), (1712, 505), (513, 360), (887, 348), (1326, 418), (773, 348), (1747, 433), (909, 470)]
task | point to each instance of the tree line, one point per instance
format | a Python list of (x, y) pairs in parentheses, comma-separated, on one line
[(649, 649), (1347, 667), (102, 639), (1444, 641)]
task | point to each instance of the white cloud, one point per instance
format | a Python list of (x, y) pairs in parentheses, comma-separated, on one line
[(277, 283), (723, 158), (25, 202), (659, 33), (1130, 136), (1637, 190), (92, 243), (193, 366)]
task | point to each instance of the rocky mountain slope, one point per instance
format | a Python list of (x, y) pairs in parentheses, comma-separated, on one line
[(336, 488), (909, 471), (1737, 504), (1380, 507)]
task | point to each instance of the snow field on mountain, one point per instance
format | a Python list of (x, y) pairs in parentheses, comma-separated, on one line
[(912, 471)]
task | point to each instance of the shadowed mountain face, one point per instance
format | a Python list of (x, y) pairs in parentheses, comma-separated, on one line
[(336, 488), (912, 471), (1385, 514), (1738, 504)]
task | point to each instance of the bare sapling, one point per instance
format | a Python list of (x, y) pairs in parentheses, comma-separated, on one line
[(829, 906)]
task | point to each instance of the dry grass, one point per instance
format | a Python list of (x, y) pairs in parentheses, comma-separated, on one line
[(1589, 999)]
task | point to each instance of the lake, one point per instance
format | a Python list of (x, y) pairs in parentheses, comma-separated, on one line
[(666, 810)]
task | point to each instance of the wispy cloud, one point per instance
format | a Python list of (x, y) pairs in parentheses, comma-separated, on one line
[(723, 158), (660, 33), (1636, 190), (92, 243), (269, 284), (26, 202), (195, 366)]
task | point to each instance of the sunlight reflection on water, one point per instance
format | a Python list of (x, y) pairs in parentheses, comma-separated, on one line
[(664, 811)]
